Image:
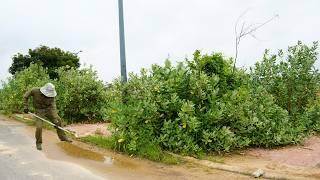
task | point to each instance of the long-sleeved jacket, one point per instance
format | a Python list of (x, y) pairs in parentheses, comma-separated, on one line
[(40, 101)]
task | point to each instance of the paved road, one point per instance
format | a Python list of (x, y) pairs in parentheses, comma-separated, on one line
[(20, 160)]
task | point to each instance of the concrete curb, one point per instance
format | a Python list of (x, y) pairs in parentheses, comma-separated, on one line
[(240, 170)]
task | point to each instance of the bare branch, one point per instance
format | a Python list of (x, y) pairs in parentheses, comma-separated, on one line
[(253, 36), (258, 27), (247, 30)]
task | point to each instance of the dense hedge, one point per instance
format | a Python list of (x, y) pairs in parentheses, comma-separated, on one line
[(198, 105), (81, 96), (12, 91)]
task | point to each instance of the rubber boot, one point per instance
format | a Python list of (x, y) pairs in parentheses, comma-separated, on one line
[(39, 147)]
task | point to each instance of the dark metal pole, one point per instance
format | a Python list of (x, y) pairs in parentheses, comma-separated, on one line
[(122, 43)]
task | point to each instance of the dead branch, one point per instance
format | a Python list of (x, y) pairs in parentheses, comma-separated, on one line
[(247, 30)]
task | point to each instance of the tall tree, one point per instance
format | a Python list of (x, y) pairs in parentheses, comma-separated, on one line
[(50, 58)]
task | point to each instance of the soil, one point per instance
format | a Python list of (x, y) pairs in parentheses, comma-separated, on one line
[(83, 130), (306, 155)]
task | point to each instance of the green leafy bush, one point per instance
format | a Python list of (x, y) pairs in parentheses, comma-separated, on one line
[(201, 105), (292, 79), (81, 95), (12, 91)]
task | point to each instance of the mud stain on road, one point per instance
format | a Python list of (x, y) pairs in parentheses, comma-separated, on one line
[(78, 152), (112, 165)]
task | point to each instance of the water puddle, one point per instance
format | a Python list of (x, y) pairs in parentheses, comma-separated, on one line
[(78, 152)]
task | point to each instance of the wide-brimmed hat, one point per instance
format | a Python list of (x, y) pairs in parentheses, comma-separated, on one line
[(48, 90)]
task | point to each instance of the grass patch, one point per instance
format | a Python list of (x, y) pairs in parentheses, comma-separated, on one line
[(99, 141)]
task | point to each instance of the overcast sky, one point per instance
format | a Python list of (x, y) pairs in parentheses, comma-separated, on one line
[(154, 29)]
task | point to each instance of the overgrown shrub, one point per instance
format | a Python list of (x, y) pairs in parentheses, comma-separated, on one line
[(291, 78), (12, 91), (81, 95), (201, 105)]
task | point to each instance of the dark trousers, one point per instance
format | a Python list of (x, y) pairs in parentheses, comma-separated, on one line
[(52, 116)]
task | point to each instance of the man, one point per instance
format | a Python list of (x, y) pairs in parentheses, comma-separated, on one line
[(45, 107)]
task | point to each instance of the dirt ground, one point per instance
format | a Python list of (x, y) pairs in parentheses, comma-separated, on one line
[(83, 130), (306, 155)]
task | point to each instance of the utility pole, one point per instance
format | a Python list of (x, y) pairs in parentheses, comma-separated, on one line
[(122, 43)]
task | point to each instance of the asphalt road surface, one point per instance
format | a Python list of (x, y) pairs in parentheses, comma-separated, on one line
[(20, 160)]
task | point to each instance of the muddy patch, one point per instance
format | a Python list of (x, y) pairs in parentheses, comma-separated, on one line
[(306, 155), (78, 152), (117, 166)]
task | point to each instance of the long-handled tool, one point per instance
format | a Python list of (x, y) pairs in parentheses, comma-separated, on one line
[(52, 124)]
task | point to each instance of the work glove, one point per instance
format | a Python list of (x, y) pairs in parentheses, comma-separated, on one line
[(26, 110)]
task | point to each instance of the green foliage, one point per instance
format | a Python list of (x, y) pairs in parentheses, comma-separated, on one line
[(80, 95), (215, 64), (100, 141), (292, 80), (201, 105), (11, 94), (49, 58), (311, 117)]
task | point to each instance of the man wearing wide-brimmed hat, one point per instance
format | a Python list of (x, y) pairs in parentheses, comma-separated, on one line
[(45, 107)]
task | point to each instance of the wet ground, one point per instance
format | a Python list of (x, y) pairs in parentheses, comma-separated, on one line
[(19, 159), (58, 160), (293, 162), (116, 166)]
